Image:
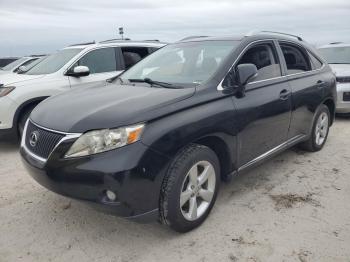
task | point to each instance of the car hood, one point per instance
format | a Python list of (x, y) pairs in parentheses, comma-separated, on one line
[(109, 106), (341, 69), (12, 78)]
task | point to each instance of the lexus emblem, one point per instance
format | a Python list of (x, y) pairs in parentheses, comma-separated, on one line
[(33, 139)]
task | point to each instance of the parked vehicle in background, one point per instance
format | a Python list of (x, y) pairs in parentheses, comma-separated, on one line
[(157, 142), (81, 65), (7, 60), (338, 57), (14, 67), (26, 68)]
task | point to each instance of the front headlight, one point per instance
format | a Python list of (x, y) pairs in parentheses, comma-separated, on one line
[(98, 141), (5, 90)]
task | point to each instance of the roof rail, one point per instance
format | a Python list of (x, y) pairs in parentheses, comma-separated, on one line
[(114, 40), (273, 32), (38, 55), (151, 40), (88, 43), (193, 36), (336, 43)]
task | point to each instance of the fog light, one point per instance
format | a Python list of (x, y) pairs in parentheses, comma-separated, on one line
[(111, 195)]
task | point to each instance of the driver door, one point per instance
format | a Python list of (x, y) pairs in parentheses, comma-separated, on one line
[(102, 64), (264, 113)]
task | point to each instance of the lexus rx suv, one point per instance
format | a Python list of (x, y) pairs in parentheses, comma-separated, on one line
[(81, 65), (156, 143), (338, 57)]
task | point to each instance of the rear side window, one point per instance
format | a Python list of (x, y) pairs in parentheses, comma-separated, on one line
[(296, 58), (264, 57), (316, 63), (132, 55), (99, 60)]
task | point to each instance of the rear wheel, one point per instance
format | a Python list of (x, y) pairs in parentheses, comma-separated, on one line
[(190, 188), (320, 130)]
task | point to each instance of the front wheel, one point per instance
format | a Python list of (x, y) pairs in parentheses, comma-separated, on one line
[(320, 130), (190, 188)]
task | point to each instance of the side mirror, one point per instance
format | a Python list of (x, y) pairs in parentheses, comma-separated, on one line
[(79, 71), (245, 73), (236, 80)]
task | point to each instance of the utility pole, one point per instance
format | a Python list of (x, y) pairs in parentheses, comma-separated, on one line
[(121, 32)]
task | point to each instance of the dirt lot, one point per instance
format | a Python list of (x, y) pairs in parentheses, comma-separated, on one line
[(295, 207)]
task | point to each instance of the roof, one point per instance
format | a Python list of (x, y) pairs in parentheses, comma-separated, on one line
[(254, 35), (115, 43)]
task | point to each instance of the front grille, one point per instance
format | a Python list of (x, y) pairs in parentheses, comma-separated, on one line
[(346, 96), (343, 79), (39, 141)]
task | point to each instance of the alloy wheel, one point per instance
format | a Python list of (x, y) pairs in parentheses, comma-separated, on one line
[(321, 129), (197, 190)]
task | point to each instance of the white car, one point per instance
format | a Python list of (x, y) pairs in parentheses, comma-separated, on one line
[(75, 66), (15, 66), (338, 57)]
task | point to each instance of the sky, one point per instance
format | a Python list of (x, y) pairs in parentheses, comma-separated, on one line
[(44, 26)]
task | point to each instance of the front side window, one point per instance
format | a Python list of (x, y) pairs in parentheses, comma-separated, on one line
[(264, 57), (54, 62), (296, 58), (336, 55), (183, 63), (99, 60)]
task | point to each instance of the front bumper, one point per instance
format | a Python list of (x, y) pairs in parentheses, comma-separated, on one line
[(134, 173), (7, 112), (342, 106)]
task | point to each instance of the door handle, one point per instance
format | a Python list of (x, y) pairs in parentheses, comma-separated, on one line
[(320, 84), (284, 94)]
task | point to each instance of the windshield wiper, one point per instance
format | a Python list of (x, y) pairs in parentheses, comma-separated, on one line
[(112, 79), (153, 82)]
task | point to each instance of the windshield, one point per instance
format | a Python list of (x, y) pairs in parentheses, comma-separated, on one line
[(14, 64), (336, 55), (182, 63), (54, 62)]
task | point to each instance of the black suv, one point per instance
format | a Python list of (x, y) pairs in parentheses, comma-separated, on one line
[(157, 140)]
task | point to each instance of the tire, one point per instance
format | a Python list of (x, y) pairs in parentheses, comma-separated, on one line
[(23, 119), (180, 184), (313, 144)]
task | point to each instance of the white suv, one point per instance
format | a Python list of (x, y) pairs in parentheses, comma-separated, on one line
[(338, 57), (74, 66)]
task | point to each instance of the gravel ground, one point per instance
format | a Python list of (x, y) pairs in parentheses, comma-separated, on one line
[(295, 207)]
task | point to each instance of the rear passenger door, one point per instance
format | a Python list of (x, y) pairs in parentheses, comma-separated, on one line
[(307, 84), (103, 63), (263, 114)]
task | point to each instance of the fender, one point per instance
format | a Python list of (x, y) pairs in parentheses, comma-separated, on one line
[(36, 100), (207, 124)]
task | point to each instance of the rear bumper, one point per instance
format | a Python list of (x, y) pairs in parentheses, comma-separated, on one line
[(342, 106), (134, 173)]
